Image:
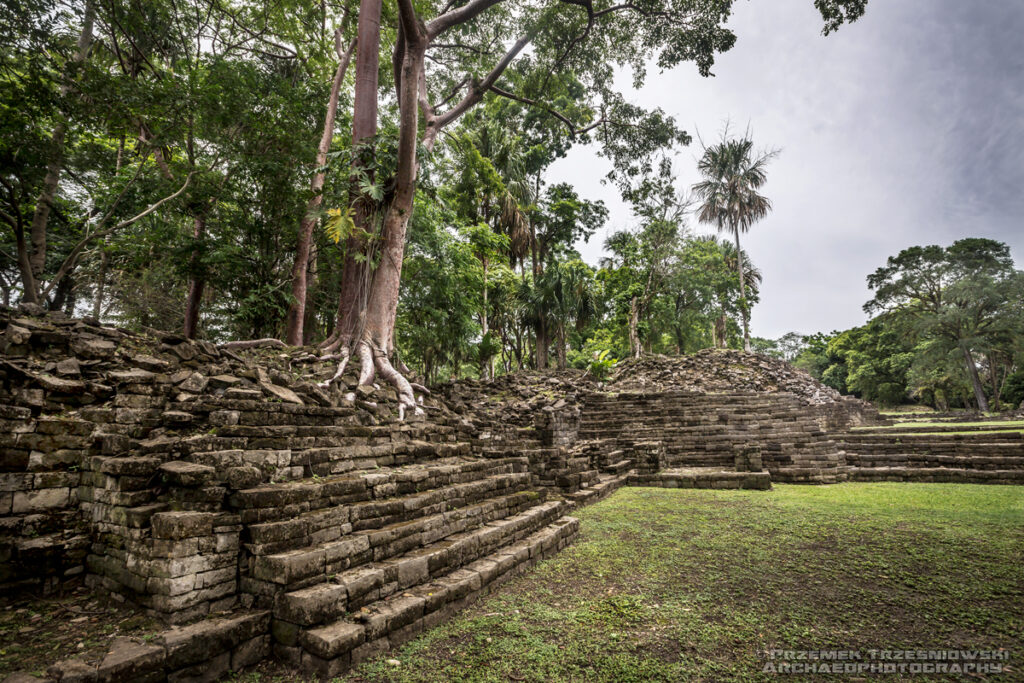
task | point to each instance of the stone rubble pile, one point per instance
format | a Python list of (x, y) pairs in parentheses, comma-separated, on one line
[(54, 363), (719, 370), (514, 399)]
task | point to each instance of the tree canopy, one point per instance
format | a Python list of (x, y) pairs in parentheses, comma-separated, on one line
[(365, 177)]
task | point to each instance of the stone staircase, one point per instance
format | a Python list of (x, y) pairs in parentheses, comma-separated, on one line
[(352, 536), (696, 435), (351, 565), (976, 457)]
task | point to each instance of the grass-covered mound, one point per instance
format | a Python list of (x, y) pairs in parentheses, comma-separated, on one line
[(673, 585)]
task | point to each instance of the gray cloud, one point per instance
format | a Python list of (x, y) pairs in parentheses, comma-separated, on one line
[(904, 128)]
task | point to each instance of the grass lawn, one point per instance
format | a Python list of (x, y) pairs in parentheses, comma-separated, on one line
[(994, 424), (684, 585)]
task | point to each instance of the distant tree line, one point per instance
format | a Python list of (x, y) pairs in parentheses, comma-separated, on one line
[(947, 331)]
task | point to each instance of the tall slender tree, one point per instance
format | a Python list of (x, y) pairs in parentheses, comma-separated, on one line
[(729, 198), (294, 333)]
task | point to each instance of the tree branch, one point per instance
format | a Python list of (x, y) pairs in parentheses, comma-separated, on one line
[(411, 26), (457, 16), (475, 92), (73, 256), (573, 130)]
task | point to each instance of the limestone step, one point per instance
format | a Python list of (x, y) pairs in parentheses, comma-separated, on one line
[(618, 467), (295, 437), (298, 568), (377, 516), (348, 590), (936, 474), (602, 488), (285, 500), (976, 433), (573, 481), (322, 460), (332, 649), (704, 478), (970, 462)]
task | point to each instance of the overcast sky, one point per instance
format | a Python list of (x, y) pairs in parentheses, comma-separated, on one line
[(904, 128)]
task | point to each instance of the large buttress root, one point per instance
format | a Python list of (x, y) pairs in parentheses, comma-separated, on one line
[(366, 369), (332, 343), (252, 344), (406, 397), (366, 366), (343, 351)]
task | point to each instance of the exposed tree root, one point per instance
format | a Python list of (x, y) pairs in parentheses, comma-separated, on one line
[(253, 344), (406, 397), (375, 363), (366, 369), (332, 343), (343, 352)]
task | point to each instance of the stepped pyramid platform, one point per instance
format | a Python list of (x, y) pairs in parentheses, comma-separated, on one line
[(258, 513)]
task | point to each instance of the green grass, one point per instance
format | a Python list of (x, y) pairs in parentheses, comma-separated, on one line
[(1002, 425), (902, 410), (674, 585), (973, 432)]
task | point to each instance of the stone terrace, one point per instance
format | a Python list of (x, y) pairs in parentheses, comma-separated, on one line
[(259, 514)]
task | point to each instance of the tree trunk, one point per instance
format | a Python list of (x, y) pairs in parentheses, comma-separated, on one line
[(542, 343), (634, 327), (101, 284), (197, 281), (972, 373), (486, 365), (63, 295), (297, 308), (355, 275), (382, 305), (562, 361), (541, 338), (483, 317), (37, 233), (719, 331), (743, 290), (993, 377), (309, 323)]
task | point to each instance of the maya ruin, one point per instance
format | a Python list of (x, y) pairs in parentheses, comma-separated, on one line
[(494, 340)]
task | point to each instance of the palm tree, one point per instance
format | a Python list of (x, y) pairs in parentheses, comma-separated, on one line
[(729, 197), (566, 290)]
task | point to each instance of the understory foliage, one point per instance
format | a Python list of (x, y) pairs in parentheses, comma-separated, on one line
[(948, 332), (159, 163)]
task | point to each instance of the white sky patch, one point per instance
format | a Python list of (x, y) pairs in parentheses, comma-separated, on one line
[(904, 128)]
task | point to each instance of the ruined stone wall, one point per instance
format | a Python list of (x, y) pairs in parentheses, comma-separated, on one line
[(118, 452), (983, 458), (195, 481), (711, 430), (43, 539)]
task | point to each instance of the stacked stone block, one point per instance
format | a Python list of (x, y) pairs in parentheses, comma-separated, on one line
[(204, 651), (979, 458), (43, 541), (712, 430)]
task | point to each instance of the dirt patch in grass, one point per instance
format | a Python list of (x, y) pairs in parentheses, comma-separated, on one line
[(36, 632)]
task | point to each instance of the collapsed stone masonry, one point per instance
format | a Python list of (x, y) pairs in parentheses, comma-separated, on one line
[(261, 514)]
